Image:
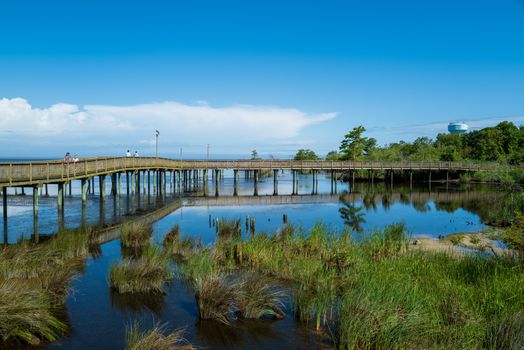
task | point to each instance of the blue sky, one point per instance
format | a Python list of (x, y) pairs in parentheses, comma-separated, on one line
[(98, 77)]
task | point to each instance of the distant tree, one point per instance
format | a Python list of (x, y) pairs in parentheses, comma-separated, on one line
[(354, 144), (254, 155), (333, 155), (305, 154)]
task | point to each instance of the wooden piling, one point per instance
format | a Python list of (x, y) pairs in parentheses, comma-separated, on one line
[(255, 182), (60, 199), (84, 190), (275, 182), (235, 182), (35, 201), (4, 203)]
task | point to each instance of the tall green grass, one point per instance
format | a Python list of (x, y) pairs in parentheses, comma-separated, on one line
[(34, 283), (372, 294), (146, 274)]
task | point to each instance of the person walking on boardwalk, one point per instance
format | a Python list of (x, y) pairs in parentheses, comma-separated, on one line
[(136, 154), (128, 154), (67, 158)]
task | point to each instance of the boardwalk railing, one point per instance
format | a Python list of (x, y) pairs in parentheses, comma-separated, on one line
[(35, 173)]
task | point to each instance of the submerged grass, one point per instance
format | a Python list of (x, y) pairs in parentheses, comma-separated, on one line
[(371, 294), (146, 274), (155, 339)]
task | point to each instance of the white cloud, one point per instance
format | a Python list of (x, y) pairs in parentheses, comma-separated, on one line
[(178, 123)]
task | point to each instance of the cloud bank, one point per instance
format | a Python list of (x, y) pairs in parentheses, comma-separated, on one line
[(179, 124)]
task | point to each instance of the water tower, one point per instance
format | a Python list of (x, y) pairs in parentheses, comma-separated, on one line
[(457, 128)]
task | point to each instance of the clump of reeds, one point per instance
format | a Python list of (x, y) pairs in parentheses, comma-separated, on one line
[(179, 247), (136, 234), (146, 274), (172, 237), (34, 283), (216, 296), (27, 314), (155, 339), (260, 298)]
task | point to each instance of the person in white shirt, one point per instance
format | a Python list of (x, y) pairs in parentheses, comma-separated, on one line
[(136, 154), (128, 154)]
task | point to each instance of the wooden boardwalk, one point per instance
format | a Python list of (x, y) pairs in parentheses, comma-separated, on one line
[(154, 174), (48, 172)]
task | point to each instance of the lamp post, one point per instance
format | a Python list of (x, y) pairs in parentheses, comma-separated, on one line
[(156, 134)]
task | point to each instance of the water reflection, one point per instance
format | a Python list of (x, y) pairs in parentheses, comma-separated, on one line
[(137, 302), (352, 214)]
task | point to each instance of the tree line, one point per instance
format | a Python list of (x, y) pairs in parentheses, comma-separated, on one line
[(502, 143)]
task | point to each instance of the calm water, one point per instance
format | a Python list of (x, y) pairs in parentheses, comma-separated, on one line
[(98, 318)]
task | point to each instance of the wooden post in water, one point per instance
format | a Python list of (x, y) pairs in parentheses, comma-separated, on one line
[(102, 179), (336, 183), (204, 182), (70, 188), (93, 185), (4, 203), (275, 182), (35, 201), (216, 181), (84, 190), (46, 190), (255, 175), (164, 181), (294, 176), (430, 181), (411, 180), (113, 184), (154, 181), (235, 182), (312, 182), (331, 180), (60, 199)]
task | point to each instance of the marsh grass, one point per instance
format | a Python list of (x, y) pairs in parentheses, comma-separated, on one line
[(372, 294), (34, 283), (260, 298), (146, 274), (180, 248), (136, 234), (229, 229), (216, 296), (155, 339)]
